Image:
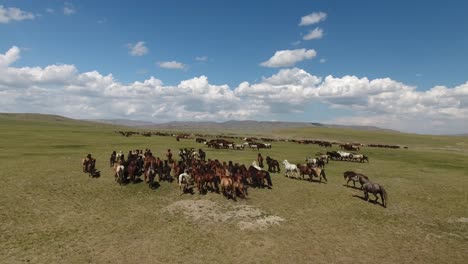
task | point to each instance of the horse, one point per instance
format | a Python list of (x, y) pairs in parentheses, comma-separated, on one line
[(238, 185), (258, 176), (353, 176), (150, 172), (273, 165), (89, 166), (120, 173), (226, 183), (132, 170), (187, 181), (199, 180), (359, 157), (112, 159), (374, 188), (290, 168), (312, 172), (202, 154)]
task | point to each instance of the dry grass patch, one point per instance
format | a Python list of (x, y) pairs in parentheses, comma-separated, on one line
[(246, 217)]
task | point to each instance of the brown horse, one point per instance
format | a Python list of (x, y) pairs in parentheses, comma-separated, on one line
[(238, 185), (312, 172), (258, 177), (132, 170), (226, 183), (199, 179), (355, 177), (89, 165)]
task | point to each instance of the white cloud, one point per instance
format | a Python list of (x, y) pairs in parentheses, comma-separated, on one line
[(201, 58), (138, 49), (316, 33), (69, 9), (8, 14), (12, 55), (171, 65), (50, 10), (63, 90), (313, 18), (287, 58), (323, 60)]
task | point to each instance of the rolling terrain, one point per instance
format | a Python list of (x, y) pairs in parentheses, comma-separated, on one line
[(51, 212)]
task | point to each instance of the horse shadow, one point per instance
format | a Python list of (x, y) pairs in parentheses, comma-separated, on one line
[(155, 186), (95, 174), (352, 187), (137, 180), (369, 201)]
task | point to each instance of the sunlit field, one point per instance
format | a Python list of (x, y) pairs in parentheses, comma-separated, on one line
[(52, 212)]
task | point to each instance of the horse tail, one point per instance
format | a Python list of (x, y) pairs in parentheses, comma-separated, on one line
[(384, 196)]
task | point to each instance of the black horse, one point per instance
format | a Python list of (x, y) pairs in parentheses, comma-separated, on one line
[(273, 165)]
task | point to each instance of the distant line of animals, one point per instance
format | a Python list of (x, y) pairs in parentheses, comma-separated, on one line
[(194, 171), (321, 143)]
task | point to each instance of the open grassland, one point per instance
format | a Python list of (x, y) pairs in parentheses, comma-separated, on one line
[(51, 212)]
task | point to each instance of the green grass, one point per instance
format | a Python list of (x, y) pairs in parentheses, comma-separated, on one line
[(50, 212)]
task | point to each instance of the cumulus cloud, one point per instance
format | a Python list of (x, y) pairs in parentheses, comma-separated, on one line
[(313, 18), (137, 49), (316, 33), (172, 65), (64, 90), (287, 58), (8, 14)]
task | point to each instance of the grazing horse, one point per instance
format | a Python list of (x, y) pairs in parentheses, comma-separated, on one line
[(290, 168), (374, 188), (273, 165), (355, 177)]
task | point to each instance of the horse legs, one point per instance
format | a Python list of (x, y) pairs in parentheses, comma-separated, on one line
[(376, 197), (366, 196)]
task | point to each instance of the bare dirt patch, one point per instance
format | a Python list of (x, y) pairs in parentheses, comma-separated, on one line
[(459, 220), (246, 217)]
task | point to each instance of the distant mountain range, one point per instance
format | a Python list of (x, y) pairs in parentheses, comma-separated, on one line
[(228, 126)]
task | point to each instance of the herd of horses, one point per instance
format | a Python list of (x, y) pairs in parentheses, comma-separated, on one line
[(194, 171)]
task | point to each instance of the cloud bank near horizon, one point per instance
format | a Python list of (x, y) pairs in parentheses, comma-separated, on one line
[(62, 89)]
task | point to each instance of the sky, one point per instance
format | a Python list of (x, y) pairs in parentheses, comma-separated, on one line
[(394, 64)]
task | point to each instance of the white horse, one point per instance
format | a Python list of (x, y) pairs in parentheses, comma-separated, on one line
[(311, 161), (119, 173), (184, 178), (344, 155), (290, 168), (254, 164), (239, 146)]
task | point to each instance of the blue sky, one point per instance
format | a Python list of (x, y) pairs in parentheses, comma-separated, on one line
[(420, 45)]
